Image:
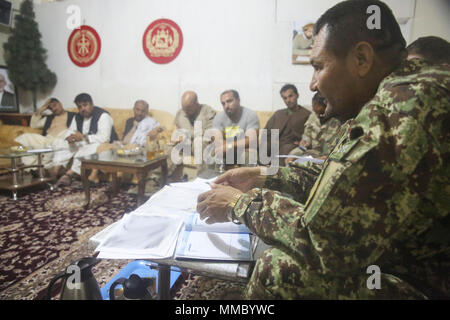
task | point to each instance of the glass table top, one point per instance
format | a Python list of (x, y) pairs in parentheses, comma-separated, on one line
[(113, 157), (17, 152)]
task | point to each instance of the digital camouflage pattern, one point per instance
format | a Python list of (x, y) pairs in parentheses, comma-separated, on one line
[(382, 198), (320, 137)]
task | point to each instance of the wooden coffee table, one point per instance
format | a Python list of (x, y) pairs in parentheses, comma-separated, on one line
[(110, 162)]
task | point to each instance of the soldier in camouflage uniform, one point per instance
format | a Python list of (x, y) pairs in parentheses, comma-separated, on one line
[(382, 197), (320, 134)]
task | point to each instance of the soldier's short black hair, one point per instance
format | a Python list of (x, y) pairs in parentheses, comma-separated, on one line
[(234, 92), (433, 49), (54, 100), (83, 97), (287, 87), (318, 99), (346, 24)]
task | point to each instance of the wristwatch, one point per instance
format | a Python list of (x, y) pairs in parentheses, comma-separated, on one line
[(230, 209)]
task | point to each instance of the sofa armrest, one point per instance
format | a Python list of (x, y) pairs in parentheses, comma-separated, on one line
[(9, 132)]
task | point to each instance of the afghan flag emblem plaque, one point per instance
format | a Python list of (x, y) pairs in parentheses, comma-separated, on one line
[(162, 41)]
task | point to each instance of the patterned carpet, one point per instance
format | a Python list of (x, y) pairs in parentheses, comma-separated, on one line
[(44, 231), (203, 288)]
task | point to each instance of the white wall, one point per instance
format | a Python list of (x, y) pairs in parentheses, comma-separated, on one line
[(227, 44), (432, 18), (240, 44)]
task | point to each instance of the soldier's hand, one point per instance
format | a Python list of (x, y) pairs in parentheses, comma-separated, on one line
[(242, 179), (213, 205)]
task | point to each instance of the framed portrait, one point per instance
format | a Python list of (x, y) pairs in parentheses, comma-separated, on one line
[(302, 41), (8, 93)]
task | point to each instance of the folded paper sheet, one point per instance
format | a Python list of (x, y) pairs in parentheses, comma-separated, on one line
[(142, 236)]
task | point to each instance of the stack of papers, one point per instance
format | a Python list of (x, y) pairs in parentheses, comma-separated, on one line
[(168, 225)]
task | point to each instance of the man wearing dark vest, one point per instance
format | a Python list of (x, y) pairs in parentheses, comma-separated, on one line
[(91, 127), (54, 122)]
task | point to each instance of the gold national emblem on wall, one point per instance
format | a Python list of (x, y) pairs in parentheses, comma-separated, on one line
[(162, 41), (84, 46)]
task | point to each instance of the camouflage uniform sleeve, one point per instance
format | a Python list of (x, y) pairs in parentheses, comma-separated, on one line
[(329, 135), (277, 220), (376, 185), (296, 180), (311, 128)]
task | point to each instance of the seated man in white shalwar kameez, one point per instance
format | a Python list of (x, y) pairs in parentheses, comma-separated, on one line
[(54, 130), (91, 127)]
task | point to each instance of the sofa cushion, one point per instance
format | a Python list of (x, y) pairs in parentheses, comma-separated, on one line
[(264, 116)]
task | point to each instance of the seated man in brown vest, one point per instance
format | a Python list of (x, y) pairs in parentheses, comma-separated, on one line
[(91, 127)]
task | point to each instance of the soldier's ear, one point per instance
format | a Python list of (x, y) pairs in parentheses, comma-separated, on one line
[(362, 56)]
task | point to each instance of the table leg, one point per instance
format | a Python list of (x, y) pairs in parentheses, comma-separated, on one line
[(163, 282), (141, 176), (164, 172), (15, 172), (115, 184), (40, 167), (86, 186)]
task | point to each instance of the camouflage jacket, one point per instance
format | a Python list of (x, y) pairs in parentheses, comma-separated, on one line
[(320, 136), (383, 194)]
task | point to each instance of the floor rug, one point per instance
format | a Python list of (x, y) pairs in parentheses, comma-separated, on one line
[(44, 231), (205, 288)]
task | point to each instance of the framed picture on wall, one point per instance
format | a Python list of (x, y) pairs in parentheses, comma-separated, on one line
[(302, 41), (8, 93)]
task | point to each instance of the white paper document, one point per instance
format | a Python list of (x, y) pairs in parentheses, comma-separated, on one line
[(200, 245), (195, 224), (179, 196), (143, 236)]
